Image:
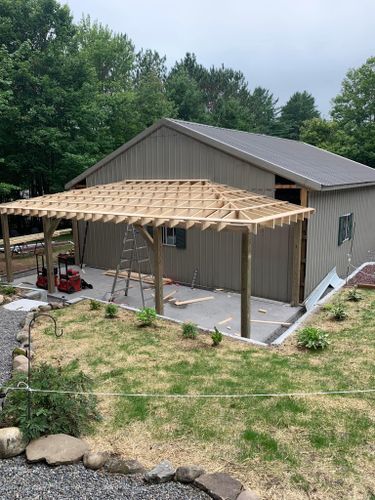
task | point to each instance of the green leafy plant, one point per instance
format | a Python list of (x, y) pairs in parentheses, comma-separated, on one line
[(7, 290), (216, 337), (313, 338), (146, 316), (189, 330), (338, 311), (354, 295), (52, 413), (111, 311), (95, 305)]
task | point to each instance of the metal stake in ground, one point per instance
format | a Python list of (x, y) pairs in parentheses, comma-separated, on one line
[(57, 334)]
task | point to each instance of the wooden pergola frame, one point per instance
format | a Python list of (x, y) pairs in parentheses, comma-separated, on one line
[(182, 203)]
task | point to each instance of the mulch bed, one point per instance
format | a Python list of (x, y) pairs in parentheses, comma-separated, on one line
[(365, 277)]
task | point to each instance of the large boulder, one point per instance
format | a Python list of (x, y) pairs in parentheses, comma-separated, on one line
[(162, 473), (95, 459), (57, 449), (12, 442), (188, 473), (219, 485)]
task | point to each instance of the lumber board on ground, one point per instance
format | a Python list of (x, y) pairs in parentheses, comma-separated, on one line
[(146, 278), (225, 320), (270, 322), (169, 295), (193, 301)]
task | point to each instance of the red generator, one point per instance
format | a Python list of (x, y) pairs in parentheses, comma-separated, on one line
[(41, 271), (69, 279)]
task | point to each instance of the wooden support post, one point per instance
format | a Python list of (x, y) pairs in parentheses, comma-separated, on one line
[(49, 227), (246, 285), (146, 235), (76, 241), (158, 270), (7, 250), (296, 270)]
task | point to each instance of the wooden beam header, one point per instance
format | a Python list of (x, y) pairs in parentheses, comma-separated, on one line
[(175, 203)]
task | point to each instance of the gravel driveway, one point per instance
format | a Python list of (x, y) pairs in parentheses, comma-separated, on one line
[(9, 326), (19, 480)]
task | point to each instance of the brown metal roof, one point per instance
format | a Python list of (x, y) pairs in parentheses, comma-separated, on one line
[(183, 203)]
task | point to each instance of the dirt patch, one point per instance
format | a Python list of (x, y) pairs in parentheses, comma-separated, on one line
[(364, 277)]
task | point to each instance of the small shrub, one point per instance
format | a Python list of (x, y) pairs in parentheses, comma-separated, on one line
[(354, 295), (146, 316), (7, 290), (189, 330), (313, 338), (338, 311), (52, 413), (111, 310), (216, 337), (95, 305)]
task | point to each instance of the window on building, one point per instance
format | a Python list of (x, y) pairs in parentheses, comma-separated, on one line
[(172, 237), (345, 228), (169, 236)]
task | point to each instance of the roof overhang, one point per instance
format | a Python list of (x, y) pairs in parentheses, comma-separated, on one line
[(182, 203)]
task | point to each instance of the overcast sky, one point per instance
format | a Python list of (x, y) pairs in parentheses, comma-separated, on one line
[(283, 45)]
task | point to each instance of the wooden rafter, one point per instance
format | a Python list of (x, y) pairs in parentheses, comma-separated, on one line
[(173, 203)]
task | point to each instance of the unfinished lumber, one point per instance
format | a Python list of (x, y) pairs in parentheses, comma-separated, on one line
[(245, 284), (167, 297), (174, 203), (226, 320), (7, 250), (270, 322), (158, 269), (193, 301), (146, 278), (30, 238)]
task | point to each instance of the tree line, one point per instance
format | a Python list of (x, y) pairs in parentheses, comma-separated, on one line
[(70, 93)]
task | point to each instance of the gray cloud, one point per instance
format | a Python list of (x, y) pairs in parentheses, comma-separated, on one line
[(283, 45)]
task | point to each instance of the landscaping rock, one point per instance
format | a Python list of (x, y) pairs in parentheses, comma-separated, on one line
[(162, 473), (22, 336), (56, 305), (134, 467), (124, 466), (44, 308), (18, 351), (248, 495), (219, 485), (95, 459), (12, 442), (57, 449), (188, 473), (20, 364), (2, 299)]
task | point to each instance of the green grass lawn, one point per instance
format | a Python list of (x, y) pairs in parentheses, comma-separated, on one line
[(291, 447)]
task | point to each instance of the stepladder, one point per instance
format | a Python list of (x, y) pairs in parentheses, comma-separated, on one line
[(134, 259)]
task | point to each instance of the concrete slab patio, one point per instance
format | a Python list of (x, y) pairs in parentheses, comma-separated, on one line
[(206, 314)]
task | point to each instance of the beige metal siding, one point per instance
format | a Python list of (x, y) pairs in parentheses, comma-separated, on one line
[(168, 154), (323, 252)]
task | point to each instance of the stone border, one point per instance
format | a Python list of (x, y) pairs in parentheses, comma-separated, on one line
[(62, 449)]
